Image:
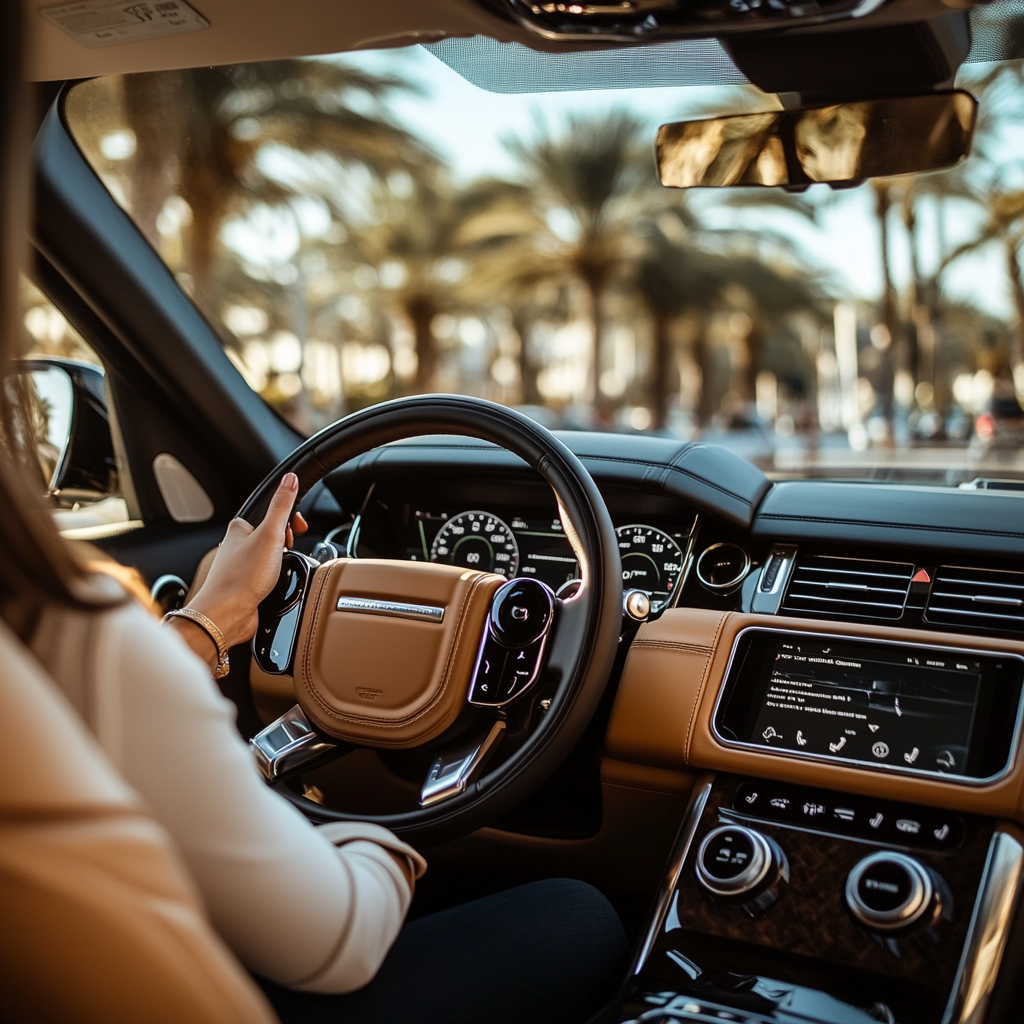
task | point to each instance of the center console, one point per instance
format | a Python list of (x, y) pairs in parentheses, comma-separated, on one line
[(814, 888)]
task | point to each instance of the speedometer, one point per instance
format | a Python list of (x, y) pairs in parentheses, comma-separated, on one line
[(651, 561), (477, 540)]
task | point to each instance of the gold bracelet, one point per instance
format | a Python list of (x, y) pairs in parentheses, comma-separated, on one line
[(210, 628)]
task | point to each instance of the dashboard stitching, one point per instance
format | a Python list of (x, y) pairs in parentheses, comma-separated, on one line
[(700, 689), (674, 645), (970, 531)]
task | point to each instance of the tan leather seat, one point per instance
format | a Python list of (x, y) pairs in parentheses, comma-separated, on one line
[(98, 919)]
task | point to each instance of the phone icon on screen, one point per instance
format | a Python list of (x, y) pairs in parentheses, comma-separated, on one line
[(800, 739)]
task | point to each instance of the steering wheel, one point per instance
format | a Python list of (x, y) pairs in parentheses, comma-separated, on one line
[(398, 655)]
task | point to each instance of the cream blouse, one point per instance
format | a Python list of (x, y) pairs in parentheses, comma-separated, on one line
[(312, 908)]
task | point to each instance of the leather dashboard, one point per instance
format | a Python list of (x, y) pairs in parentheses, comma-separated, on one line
[(671, 681)]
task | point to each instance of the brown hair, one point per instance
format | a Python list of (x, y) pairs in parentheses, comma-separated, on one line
[(36, 564)]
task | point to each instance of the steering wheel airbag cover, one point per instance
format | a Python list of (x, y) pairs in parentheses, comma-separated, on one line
[(377, 673)]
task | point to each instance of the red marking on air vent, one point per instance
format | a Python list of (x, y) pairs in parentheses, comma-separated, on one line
[(921, 576)]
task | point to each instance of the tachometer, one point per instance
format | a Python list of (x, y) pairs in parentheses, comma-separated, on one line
[(651, 561), (477, 540)]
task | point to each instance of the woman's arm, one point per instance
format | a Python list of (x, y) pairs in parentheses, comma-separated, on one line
[(295, 907)]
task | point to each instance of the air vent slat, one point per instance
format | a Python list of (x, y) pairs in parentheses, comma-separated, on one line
[(963, 596), (848, 587)]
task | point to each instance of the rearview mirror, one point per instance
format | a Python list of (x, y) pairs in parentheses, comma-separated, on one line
[(836, 144)]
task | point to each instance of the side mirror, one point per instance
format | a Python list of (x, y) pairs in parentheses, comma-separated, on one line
[(839, 144), (62, 413)]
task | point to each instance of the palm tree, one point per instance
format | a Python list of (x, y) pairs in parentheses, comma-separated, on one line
[(222, 117), (674, 278), (427, 239), (585, 188)]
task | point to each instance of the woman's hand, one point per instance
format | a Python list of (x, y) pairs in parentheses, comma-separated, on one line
[(246, 567)]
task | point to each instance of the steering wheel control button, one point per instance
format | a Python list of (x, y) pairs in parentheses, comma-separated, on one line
[(733, 860), (512, 649), (521, 612), (721, 568), (889, 891), (279, 615), (521, 669), (486, 686)]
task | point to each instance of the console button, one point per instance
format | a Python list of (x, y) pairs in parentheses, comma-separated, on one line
[(889, 891), (733, 860)]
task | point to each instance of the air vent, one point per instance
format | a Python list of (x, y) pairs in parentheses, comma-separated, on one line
[(848, 587), (978, 598)]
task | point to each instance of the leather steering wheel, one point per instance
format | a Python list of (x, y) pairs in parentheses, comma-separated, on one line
[(392, 654)]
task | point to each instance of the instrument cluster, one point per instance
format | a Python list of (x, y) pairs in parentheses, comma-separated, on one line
[(537, 547)]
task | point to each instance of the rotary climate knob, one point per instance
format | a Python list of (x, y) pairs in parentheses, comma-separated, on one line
[(734, 860), (890, 892)]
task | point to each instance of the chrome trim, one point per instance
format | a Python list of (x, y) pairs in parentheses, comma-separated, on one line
[(768, 602), (448, 778), (684, 840), (352, 540), (922, 892), (636, 604), (750, 877), (733, 584), (691, 544), (397, 609), (167, 580), (966, 780), (304, 745), (988, 932)]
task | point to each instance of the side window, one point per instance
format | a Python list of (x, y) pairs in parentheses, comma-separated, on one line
[(62, 421)]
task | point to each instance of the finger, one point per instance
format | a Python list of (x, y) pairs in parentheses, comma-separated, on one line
[(281, 505), (289, 537), (299, 524)]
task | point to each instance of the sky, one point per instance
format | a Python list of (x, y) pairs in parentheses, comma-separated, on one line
[(467, 125)]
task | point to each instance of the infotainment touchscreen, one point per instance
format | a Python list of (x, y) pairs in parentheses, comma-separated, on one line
[(920, 709)]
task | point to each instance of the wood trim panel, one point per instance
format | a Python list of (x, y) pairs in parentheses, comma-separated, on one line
[(671, 681)]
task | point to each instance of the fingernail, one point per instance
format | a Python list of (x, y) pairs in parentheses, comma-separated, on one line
[(290, 480)]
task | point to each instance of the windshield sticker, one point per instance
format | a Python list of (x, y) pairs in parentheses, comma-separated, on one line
[(100, 23)]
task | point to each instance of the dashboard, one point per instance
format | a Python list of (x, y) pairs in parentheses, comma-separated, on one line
[(843, 664)]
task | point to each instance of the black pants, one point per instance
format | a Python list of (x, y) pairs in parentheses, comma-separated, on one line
[(546, 953)]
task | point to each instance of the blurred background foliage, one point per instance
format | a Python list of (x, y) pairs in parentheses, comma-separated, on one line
[(342, 261)]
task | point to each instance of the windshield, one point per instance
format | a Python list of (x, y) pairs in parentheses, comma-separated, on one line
[(371, 225)]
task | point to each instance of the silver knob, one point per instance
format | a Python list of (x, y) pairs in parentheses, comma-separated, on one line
[(889, 891), (732, 860), (637, 604)]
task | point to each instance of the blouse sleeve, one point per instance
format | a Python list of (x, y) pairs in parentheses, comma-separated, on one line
[(312, 908)]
